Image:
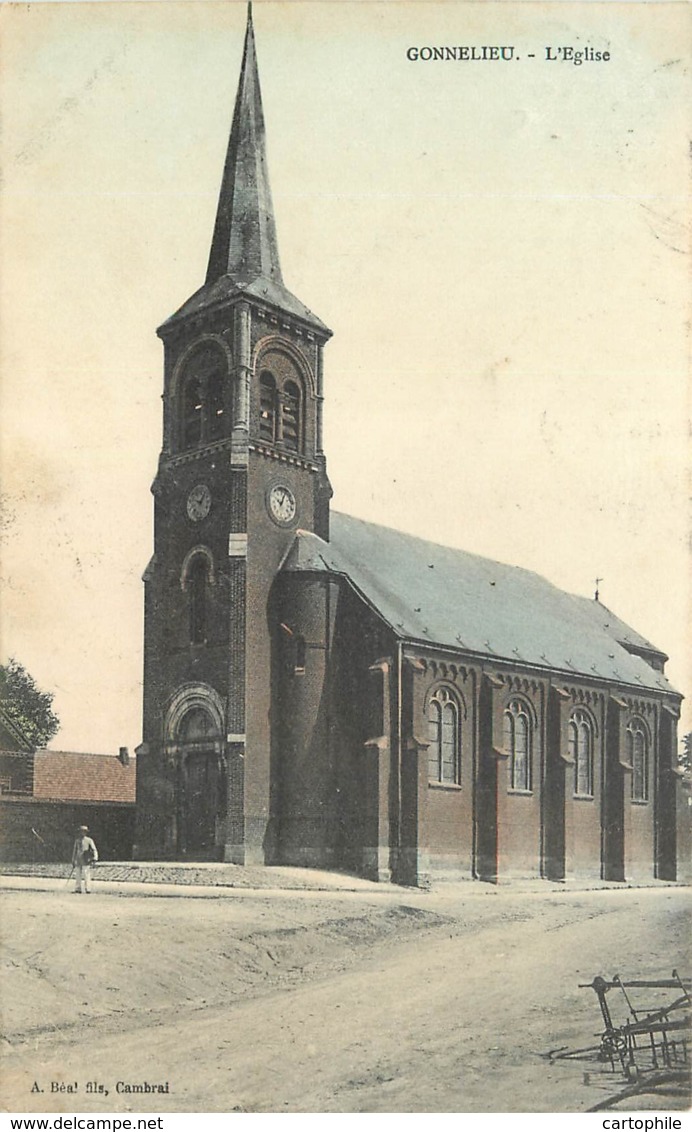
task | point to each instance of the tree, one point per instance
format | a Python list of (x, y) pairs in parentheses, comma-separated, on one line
[(685, 759), (26, 705)]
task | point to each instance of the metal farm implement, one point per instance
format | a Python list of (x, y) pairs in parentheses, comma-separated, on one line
[(651, 1046)]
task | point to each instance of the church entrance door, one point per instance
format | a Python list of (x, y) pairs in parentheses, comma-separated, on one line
[(201, 802)]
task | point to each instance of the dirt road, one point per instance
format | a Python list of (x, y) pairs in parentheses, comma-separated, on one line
[(392, 1001)]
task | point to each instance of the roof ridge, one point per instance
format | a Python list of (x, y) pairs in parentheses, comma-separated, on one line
[(81, 754)]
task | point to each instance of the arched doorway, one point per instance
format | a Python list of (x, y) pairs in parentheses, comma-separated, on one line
[(202, 787)]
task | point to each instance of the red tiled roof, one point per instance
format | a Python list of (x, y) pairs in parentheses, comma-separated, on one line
[(70, 776)]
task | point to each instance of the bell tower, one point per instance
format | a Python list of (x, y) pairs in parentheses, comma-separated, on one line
[(241, 469)]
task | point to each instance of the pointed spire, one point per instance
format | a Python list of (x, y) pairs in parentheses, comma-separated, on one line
[(244, 257), (244, 243)]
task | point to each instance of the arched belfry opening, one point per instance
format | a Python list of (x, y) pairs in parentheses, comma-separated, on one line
[(202, 397)]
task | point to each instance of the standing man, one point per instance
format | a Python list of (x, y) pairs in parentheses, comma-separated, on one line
[(84, 855)]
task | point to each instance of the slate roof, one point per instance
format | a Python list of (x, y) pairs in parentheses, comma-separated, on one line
[(69, 776), (227, 288), (439, 595)]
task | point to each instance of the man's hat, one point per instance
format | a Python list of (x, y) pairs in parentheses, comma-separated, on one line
[(84, 829)]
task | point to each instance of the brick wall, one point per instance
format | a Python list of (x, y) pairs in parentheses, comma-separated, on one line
[(55, 823)]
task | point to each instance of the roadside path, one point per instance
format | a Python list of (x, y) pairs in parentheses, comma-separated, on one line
[(455, 1019)]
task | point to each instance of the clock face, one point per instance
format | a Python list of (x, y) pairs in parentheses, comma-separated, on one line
[(198, 503), (282, 504)]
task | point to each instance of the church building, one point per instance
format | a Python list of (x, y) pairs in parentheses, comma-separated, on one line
[(322, 691)]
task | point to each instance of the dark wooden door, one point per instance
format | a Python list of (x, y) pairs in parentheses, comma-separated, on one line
[(201, 799)]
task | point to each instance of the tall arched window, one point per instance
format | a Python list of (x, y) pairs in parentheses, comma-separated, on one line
[(201, 401), (267, 409), (290, 422), (638, 758), (580, 748), (517, 742), (197, 585), (215, 409), (192, 413), (300, 655), (444, 750)]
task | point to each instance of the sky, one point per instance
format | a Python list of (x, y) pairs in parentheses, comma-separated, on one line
[(499, 247)]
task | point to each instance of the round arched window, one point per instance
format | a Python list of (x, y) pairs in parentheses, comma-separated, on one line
[(638, 758), (444, 747), (580, 749), (267, 408), (280, 401), (197, 587), (517, 743)]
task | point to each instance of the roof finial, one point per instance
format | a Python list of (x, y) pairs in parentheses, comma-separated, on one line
[(249, 11), (595, 596)]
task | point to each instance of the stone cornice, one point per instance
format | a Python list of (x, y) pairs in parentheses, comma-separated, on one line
[(271, 453), (539, 671), (196, 453)]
